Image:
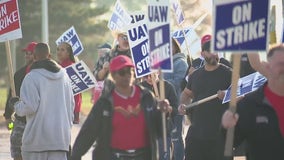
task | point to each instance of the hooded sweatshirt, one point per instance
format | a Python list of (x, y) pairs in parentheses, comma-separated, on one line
[(179, 69), (47, 102)]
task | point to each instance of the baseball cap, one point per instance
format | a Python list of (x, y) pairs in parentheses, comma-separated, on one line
[(205, 39), (105, 45), (120, 62), (205, 42), (30, 47)]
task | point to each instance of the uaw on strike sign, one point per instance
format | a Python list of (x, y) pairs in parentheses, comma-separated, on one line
[(81, 77), (70, 36), (10, 26), (159, 35), (139, 44), (240, 25), (246, 85)]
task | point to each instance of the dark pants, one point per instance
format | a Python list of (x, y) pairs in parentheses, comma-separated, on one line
[(177, 140), (197, 149)]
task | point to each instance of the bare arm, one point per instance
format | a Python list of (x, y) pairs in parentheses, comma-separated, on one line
[(186, 96), (256, 64), (103, 72)]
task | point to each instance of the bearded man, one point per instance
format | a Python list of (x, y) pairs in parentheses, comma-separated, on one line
[(204, 139)]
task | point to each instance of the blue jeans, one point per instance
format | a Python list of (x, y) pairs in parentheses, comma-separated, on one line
[(178, 152)]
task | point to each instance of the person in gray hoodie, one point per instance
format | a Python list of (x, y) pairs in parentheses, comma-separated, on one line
[(46, 99)]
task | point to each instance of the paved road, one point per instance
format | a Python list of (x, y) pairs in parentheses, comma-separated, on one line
[(5, 140), (4, 144)]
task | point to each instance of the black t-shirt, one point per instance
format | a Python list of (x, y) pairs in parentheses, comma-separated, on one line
[(245, 68), (206, 117)]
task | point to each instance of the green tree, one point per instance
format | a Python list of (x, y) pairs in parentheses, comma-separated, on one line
[(89, 17)]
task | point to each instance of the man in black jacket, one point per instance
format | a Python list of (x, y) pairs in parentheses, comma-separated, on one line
[(260, 115), (19, 122), (125, 122)]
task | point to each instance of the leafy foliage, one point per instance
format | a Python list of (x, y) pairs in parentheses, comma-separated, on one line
[(89, 17)]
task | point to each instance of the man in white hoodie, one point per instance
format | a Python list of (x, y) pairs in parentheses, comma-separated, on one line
[(46, 99)]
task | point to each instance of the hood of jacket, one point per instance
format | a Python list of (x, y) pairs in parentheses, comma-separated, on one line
[(48, 68), (179, 56)]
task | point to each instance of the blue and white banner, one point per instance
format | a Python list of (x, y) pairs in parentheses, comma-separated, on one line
[(81, 77), (246, 85), (192, 39), (70, 36), (139, 44), (240, 25), (159, 35), (178, 11), (119, 18)]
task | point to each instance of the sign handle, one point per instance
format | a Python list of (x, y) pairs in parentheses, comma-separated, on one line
[(233, 103), (162, 97), (153, 78), (186, 44), (201, 101), (10, 67)]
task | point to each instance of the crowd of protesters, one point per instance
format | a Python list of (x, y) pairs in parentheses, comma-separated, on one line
[(125, 122)]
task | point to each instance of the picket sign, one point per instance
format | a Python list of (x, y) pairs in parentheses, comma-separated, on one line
[(233, 103), (70, 36), (160, 45), (245, 30), (119, 18), (139, 44), (82, 79), (191, 105), (10, 29)]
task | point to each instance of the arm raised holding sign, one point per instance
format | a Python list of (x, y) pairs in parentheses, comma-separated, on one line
[(259, 118), (257, 64)]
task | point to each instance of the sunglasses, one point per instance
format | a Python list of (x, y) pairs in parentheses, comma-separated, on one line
[(124, 37), (29, 53), (124, 71)]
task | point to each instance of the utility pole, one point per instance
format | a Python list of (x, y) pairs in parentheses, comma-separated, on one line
[(44, 18)]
